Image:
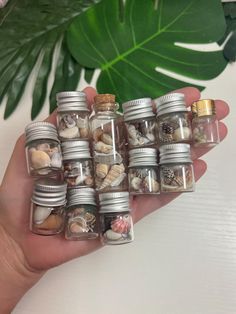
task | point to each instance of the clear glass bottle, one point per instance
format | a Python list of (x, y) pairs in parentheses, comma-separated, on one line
[(43, 151), (108, 145), (176, 169), (81, 215), (72, 116), (115, 218), (143, 171), (140, 122), (205, 123), (173, 122), (48, 207), (78, 165)]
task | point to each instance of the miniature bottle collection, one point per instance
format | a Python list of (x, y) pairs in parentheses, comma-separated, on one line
[(115, 217), (72, 116), (140, 122), (176, 170), (48, 207), (143, 171), (87, 167), (205, 124), (43, 151), (173, 122), (81, 215)]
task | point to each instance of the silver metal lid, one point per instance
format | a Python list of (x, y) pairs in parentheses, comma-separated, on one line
[(39, 131), (81, 196), (175, 153), (143, 157), (114, 202), (137, 109), (49, 192), (173, 102), (75, 150), (71, 101)]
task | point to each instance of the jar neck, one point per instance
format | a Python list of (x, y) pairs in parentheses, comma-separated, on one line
[(105, 107)]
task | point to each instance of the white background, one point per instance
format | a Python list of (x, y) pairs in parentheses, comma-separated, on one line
[(183, 260)]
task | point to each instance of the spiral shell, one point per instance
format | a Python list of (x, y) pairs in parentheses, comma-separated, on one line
[(40, 159), (113, 174), (106, 138), (121, 225)]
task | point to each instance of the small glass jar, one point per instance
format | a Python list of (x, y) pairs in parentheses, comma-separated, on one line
[(108, 145), (205, 123), (72, 116), (81, 215), (78, 165), (176, 169), (115, 218), (48, 207), (140, 122), (143, 171), (43, 151), (173, 122)]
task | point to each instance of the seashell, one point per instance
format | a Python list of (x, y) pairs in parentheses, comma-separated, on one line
[(88, 181), (82, 123), (69, 121), (111, 235), (90, 218), (150, 137), (97, 133), (136, 183), (40, 159), (56, 160), (182, 134), (41, 213), (78, 211), (107, 139), (80, 179), (51, 223), (53, 150), (132, 131), (69, 132), (102, 170), (118, 180), (121, 224), (31, 150), (113, 174), (152, 185), (84, 132), (133, 141), (103, 148), (45, 147), (78, 225)]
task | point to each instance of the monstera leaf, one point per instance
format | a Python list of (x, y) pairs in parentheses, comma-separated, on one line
[(30, 30), (230, 45), (136, 44)]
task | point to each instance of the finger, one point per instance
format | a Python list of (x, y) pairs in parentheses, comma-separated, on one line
[(191, 94), (197, 152), (222, 109), (146, 204)]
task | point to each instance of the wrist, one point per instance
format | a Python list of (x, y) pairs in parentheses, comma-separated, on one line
[(16, 277)]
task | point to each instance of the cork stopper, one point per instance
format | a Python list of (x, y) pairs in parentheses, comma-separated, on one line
[(203, 107), (105, 102)]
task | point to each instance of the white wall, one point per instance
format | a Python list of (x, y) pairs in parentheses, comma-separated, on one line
[(183, 260)]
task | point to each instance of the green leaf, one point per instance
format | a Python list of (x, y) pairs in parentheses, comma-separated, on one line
[(88, 75), (230, 45), (39, 24), (129, 41)]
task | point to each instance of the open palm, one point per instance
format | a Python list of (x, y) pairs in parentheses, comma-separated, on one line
[(40, 253)]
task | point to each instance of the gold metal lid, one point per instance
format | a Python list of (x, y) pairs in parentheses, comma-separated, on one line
[(203, 107)]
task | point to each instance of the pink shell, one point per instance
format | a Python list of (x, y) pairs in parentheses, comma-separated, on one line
[(121, 225)]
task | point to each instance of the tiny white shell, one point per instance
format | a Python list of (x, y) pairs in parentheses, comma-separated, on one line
[(135, 183), (69, 132), (41, 213), (56, 160), (182, 134), (111, 235)]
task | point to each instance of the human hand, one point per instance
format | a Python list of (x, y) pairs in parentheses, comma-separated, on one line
[(24, 257)]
